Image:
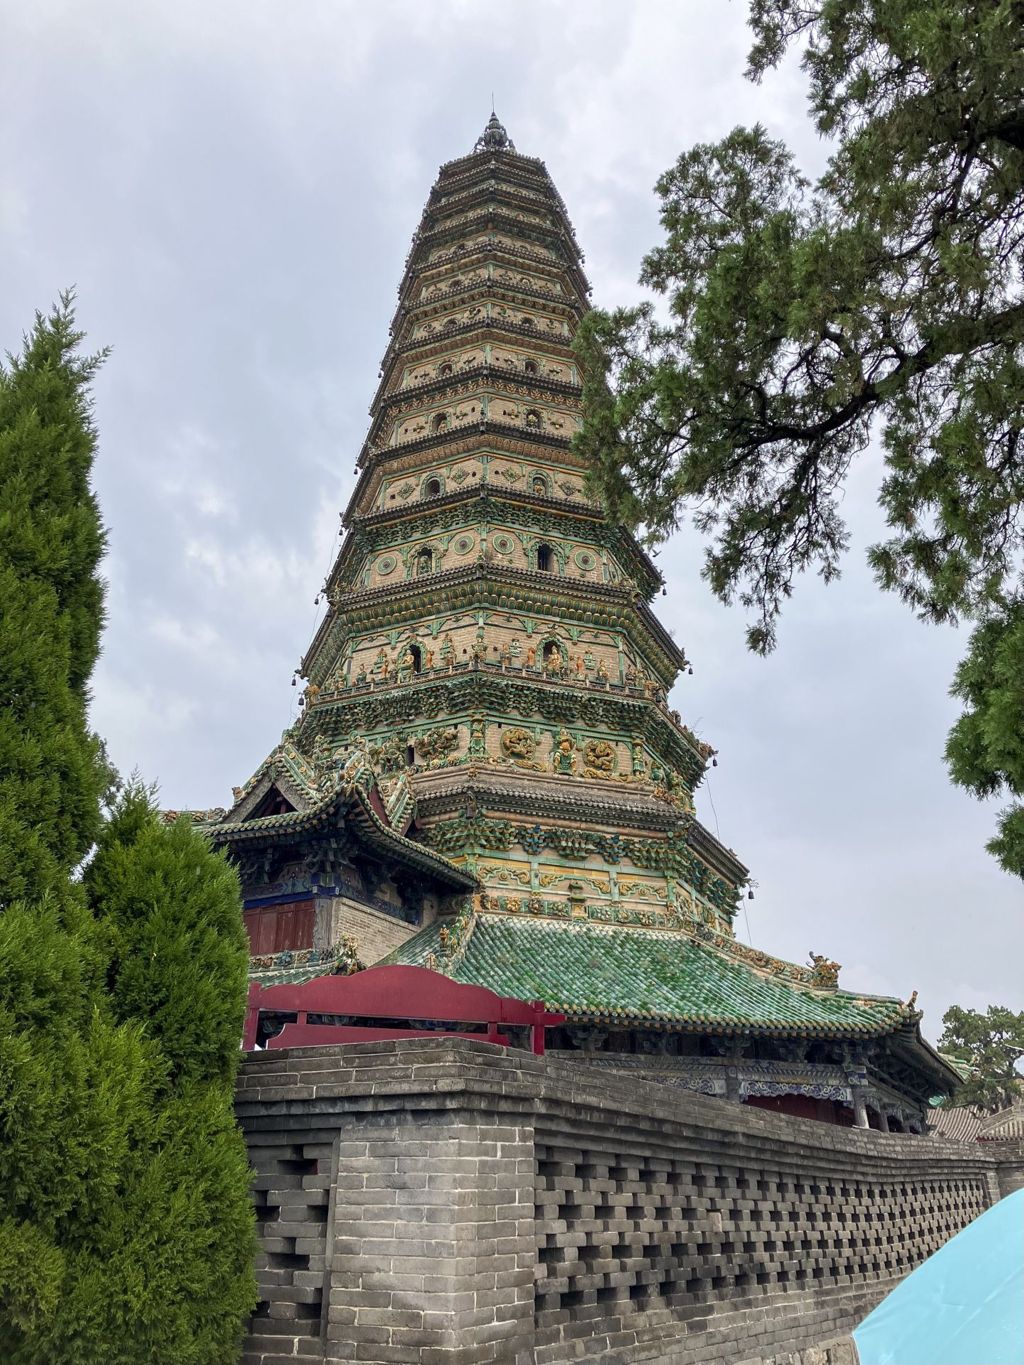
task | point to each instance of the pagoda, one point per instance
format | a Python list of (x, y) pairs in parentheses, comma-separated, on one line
[(486, 777)]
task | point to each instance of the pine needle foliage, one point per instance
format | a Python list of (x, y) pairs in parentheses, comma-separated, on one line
[(804, 320), (992, 1044)]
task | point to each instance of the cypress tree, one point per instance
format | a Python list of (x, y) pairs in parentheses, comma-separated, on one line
[(178, 958), (52, 773), (125, 1228), (75, 1088)]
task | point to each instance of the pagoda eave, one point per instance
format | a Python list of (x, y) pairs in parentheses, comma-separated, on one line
[(508, 589), (504, 381), (467, 688), (563, 516), (523, 440), (476, 332), (544, 794)]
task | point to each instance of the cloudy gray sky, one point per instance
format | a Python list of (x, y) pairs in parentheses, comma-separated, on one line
[(232, 185)]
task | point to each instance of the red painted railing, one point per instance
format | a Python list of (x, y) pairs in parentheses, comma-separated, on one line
[(400, 995)]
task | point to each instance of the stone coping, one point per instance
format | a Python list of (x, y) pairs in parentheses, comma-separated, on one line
[(461, 1074)]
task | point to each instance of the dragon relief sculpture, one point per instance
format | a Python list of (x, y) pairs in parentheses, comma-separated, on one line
[(438, 744), (518, 745), (598, 758)]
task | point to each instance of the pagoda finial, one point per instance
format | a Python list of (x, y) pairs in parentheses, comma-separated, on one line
[(494, 138)]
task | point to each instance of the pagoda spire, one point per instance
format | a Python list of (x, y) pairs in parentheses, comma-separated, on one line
[(494, 138)]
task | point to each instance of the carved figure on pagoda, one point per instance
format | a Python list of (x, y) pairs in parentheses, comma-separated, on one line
[(563, 759), (478, 737), (439, 743)]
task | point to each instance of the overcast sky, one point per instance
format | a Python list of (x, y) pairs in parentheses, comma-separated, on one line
[(232, 185)]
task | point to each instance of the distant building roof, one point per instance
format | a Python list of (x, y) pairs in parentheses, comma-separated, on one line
[(955, 1123)]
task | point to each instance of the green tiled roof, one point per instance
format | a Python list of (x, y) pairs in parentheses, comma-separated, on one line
[(963, 1069), (292, 966), (614, 974)]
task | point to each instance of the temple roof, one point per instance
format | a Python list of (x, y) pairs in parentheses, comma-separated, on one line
[(617, 975), (325, 791), (965, 1123)]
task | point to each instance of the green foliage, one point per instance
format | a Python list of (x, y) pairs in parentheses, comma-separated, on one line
[(51, 608), (75, 1096), (170, 912), (802, 319), (179, 954), (126, 1227), (993, 1045), (985, 750)]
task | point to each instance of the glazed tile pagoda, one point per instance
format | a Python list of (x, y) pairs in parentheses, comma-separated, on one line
[(486, 778)]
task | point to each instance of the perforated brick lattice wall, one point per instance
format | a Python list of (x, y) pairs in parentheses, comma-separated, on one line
[(442, 1202), (291, 1188), (621, 1234)]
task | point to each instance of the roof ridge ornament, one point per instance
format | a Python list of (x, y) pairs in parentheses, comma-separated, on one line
[(494, 137)]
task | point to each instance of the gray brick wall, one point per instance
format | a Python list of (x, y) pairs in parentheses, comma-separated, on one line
[(440, 1202)]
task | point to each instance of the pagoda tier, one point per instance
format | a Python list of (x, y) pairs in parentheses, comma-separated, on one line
[(489, 634)]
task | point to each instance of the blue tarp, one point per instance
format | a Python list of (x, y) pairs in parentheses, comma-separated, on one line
[(963, 1306)]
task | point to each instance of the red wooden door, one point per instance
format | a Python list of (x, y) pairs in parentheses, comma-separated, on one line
[(273, 928)]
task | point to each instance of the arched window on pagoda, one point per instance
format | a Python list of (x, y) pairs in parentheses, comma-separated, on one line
[(441, 422), (424, 561), (551, 651), (432, 488), (417, 658), (531, 367), (533, 419), (545, 560), (443, 371), (527, 321), (539, 485)]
